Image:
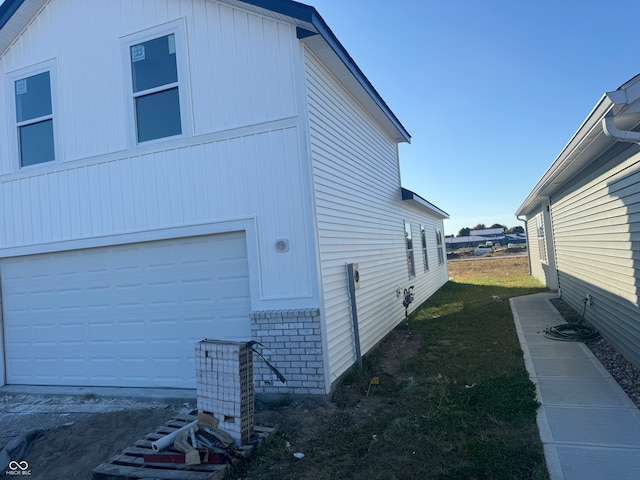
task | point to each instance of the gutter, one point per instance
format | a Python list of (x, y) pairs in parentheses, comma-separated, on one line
[(621, 98), (611, 131)]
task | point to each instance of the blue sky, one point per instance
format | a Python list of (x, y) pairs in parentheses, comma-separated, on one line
[(490, 91)]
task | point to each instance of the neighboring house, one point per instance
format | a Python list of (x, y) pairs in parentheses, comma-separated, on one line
[(583, 220), (173, 170)]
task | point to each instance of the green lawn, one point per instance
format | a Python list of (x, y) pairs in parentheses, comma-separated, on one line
[(454, 400)]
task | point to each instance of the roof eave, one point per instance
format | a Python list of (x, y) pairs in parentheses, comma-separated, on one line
[(419, 202), (589, 142), (316, 24), (589, 134)]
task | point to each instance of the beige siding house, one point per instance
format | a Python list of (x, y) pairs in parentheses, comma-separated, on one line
[(583, 220)]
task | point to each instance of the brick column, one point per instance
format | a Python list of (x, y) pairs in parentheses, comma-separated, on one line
[(224, 379)]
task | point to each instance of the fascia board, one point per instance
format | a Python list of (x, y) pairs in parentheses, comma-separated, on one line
[(419, 202), (15, 15)]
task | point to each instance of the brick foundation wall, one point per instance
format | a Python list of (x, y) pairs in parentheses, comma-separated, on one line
[(293, 344)]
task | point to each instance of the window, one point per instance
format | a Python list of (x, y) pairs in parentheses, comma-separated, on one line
[(440, 246), (34, 119), (411, 265), (425, 257), (542, 247), (156, 65)]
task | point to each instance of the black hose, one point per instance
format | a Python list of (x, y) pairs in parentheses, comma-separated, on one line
[(572, 332)]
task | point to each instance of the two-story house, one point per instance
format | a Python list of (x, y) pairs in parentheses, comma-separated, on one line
[(173, 170)]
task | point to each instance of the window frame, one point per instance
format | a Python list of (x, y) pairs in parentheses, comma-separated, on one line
[(408, 240), (49, 66), (178, 29), (542, 244), (423, 239), (440, 244)]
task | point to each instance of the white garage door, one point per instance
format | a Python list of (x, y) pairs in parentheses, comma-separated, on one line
[(126, 315)]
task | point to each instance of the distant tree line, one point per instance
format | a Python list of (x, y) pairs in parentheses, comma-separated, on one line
[(465, 232)]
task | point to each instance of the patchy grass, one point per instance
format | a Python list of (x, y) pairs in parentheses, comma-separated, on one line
[(454, 399)]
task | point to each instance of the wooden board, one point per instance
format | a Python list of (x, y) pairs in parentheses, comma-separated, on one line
[(129, 464)]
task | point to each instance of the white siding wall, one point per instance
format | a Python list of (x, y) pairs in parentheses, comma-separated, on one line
[(241, 67), (241, 160), (360, 219), (597, 237)]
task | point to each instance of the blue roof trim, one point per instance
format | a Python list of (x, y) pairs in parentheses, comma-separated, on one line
[(418, 201), (309, 14), (7, 9), (303, 33), (286, 7)]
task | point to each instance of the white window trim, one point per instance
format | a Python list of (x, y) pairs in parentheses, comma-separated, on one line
[(542, 241), (411, 262), (424, 244), (50, 66), (441, 247), (178, 29)]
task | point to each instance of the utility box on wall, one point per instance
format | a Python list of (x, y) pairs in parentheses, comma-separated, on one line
[(224, 377), (353, 274)]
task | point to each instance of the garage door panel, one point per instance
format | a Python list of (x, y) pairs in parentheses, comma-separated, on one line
[(125, 315)]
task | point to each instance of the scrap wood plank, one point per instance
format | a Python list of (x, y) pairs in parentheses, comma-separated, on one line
[(129, 464), (139, 462), (111, 471)]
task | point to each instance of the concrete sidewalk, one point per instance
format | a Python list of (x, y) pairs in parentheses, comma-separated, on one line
[(589, 427)]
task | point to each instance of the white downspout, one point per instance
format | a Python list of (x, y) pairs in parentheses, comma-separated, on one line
[(526, 236)]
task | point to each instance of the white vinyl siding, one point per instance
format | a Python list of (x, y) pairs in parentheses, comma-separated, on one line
[(173, 188), (597, 233), (359, 215), (241, 68), (242, 160)]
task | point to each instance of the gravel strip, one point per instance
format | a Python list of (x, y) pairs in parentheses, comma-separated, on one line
[(623, 371)]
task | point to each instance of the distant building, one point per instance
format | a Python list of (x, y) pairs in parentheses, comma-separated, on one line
[(477, 237)]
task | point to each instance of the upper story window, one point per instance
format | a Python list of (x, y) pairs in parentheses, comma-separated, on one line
[(34, 118), (411, 264), (423, 238), (157, 66)]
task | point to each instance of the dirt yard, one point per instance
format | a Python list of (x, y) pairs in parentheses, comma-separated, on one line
[(79, 432), (75, 442)]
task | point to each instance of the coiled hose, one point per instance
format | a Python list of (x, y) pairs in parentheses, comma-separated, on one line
[(572, 332)]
